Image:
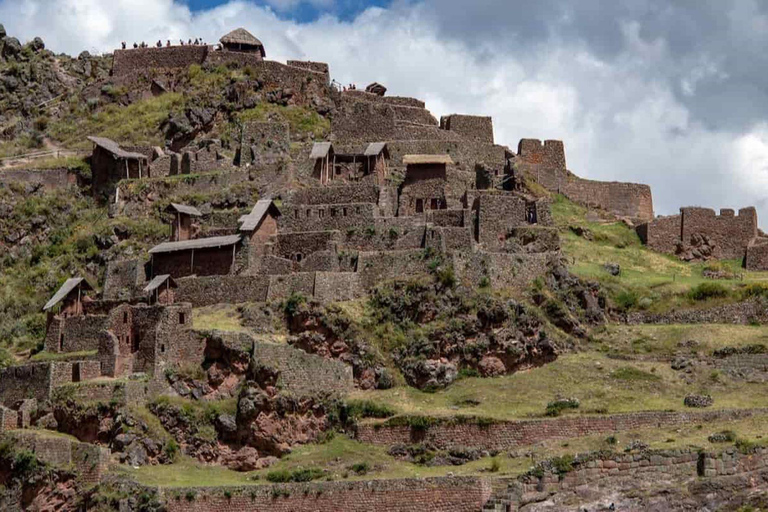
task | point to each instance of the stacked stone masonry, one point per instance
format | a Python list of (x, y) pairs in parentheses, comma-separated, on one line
[(504, 435)]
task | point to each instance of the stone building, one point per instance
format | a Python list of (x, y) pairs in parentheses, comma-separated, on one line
[(160, 290), (240, 40), (423, 188), (68, 300), (699, 234), (258, 227), (182, 224), (202, 257), (110, 163)]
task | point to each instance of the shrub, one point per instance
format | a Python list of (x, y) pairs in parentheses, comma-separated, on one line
[(292, 303), (495, 465), (632, 374), (484, 282), (705, 291), (725, 436), (360, 468), (627, 299), (563, 465), (171, 449), (446, 277), (556, 407), (369, 409), (297, 475), (468, 373)]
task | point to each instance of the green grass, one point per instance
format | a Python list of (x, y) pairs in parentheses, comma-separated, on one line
[(135, 124), (221, 317), (302, 121), (602, 384), (664, 341), (64, 356), (651, 281)]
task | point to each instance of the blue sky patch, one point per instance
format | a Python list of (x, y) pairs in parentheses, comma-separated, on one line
[(304, 11)]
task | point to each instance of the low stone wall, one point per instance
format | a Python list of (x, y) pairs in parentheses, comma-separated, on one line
[(342, 194), (457, 494), (123, 392), (375, 267), (49, 179), (337, 286), (757, 255), (504, 435), (739, 313), (91, 462), (501, 269), (282, 287), (301, 373), (206, 291)]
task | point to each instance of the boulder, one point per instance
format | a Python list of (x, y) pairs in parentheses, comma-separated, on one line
[(698, 401), (11, 48), (36, 44)]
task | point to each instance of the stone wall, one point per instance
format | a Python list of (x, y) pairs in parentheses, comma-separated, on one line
[(205, 291), (124, 279), (662, 234), (27, 381), (731, 233), (471, 128), (337, 286), (74, 334), (454, 494), (502, 270), (757, 255), (301, 373), (317, 67), (282, 287), (739, 313), (49, 179), (550, 154), (9, 419), (374, 267), (504, 435), (334, 195), (327, 217), (126, 62), (90, 461)]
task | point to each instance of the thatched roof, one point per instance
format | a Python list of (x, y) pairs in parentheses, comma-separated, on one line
[(66, 289), (240, 36), (320, 150), (375, 148), (114, 148), (199, 243), (252, 220), (376, 88), (183, 208), (158, 281), (427, 159)]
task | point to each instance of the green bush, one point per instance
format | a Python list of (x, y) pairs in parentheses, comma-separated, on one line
[(296, 475), (360, 468), (705, 291), (369, 409), (292, 303), (627, 299), (468, 373), (556, 407)]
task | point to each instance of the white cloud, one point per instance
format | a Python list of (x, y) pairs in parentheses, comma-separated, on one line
[(620, 119)]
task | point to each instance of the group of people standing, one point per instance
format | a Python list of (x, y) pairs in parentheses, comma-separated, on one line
[(159, 44)]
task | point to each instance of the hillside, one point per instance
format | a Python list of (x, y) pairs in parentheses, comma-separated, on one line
[(227, 284)]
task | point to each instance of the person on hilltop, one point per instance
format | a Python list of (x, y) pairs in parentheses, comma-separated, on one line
[(159, 44), (123, 43), (182, 42), (168, 43), (135, 46)]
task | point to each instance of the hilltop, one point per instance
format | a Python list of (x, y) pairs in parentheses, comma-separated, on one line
[(228, 282)]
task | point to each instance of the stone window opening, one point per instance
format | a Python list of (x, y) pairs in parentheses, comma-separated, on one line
[(299, 257), (357, 210), (296, 214), (182, 318), (434, 204), (135, 344), (530, 214), (125, 317), (321, 213), (61, 342), (162, 349), (419, 206), (333, 212), (75, 372), (344, 212), (309, 213)]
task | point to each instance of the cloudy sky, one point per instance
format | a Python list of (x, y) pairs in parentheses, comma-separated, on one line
[(673, 94)]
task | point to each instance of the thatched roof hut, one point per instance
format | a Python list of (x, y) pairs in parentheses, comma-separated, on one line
[(240, 40)]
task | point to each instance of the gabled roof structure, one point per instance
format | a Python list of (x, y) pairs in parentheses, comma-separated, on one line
[(253, 219), (376, 88), (376, 148), (158, 281), (68, 286), (183, 208), (320, 150), (427, 159), (199, 243), (114, 148)]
